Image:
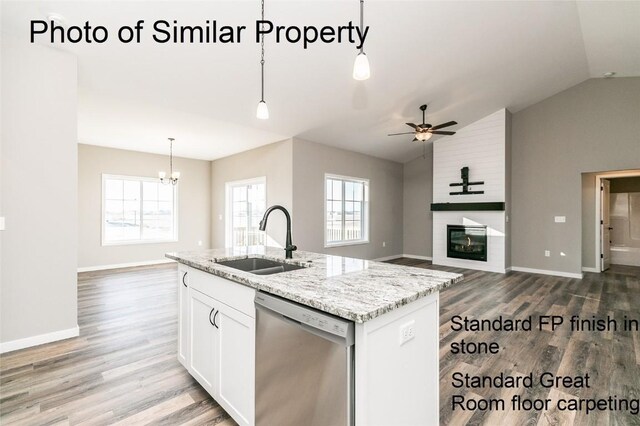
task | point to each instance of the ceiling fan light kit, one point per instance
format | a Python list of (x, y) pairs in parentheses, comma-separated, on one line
[(423, 132)]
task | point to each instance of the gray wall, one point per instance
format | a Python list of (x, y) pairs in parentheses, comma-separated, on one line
[(590, 127), (39, 195), (194, 204), (628, 184), (417, 199), (272, 161), (310, 163)]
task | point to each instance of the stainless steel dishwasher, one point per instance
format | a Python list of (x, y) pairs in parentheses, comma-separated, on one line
[(304, 365)]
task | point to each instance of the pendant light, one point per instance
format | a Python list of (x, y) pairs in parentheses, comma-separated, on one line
[(361, 69), (173, 176), (262, 112)]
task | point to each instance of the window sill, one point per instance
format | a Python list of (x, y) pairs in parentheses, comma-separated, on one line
[(136, 242), (345, 243)]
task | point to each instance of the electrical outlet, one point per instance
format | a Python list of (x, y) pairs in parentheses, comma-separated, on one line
[(407, 332), (219, 217), (384, 244), (2, 224), (547, 253), (200, 243), (560, 219)]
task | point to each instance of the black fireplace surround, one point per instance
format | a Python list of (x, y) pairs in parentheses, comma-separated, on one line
[(467, 242)]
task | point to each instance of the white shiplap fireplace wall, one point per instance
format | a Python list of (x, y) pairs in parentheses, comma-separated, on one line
[(484, 147)]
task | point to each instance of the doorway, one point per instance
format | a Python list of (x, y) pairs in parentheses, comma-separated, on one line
[(617, 219)]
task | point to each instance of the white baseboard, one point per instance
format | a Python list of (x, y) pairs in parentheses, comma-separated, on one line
[(398, 256), (546, 272), (40, 339), (588, 269), (124, 265), (415, 256), (385, 258)]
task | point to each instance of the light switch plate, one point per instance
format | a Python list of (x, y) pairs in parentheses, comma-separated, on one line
[(560, 219)]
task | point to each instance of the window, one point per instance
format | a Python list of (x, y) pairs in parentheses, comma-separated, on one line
[(245, 206), (346, 210), (138, 210)]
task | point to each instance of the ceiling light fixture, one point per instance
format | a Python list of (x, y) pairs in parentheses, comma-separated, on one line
[(262, 112), (173, 176), (423, 136), (361, 70)]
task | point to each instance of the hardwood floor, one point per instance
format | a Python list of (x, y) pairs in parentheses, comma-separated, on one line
[(123, 368), (612, 359)]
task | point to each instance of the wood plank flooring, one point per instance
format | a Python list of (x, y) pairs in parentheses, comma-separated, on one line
[(122, 369), (612, 359)]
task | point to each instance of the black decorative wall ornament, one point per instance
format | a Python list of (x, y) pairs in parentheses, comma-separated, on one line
[(464, 174)]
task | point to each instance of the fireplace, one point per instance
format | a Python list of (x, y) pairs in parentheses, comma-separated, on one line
[(467, 242)]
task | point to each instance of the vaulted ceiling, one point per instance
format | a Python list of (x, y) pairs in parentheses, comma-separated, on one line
[(464, 59)]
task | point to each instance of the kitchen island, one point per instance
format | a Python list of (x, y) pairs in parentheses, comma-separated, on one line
[(393, 309)]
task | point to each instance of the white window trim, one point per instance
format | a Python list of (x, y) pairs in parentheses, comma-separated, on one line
[(365, 213), (106, 176), (228, 231)]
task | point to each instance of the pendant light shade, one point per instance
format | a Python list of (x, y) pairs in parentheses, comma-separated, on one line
[(262, 112), (361, 69)]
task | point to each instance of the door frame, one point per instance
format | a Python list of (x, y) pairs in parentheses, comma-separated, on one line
[(227, 203), (599, 177)]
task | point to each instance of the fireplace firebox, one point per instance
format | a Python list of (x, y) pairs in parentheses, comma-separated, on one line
[(467, 242)]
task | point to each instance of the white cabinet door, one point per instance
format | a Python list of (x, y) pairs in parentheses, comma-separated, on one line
[(203, 337), (236, 371), (183, 315)]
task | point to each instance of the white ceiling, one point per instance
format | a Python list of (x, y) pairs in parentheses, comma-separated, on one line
[(465, 59)]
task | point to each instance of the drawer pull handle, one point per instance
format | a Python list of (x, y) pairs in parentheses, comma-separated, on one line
[(183, 277), (211, 321)]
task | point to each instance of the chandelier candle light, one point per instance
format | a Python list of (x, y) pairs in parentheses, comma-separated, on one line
[(262, 112), (361, 69), (173, 176)]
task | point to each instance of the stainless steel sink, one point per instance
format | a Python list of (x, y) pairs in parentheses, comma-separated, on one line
[(259, 266)]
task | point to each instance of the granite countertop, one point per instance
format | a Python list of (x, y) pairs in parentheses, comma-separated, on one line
[(354, 289)]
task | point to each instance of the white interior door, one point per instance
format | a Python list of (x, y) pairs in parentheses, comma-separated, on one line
[(605, 225)]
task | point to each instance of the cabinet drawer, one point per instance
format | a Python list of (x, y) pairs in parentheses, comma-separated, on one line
[(238, 296)]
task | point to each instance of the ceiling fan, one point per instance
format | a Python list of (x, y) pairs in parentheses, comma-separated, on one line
[(423, 132)]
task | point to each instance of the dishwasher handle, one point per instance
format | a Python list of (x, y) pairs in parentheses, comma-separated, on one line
[(336, 330)]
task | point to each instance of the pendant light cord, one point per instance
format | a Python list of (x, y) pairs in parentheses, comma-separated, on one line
[(361, 22), (171, 157), (262, 54)]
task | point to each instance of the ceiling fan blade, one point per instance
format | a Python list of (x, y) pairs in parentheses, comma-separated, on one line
[(443, 125), (414, 139), (405, 133), (415, 126), (442, 132)]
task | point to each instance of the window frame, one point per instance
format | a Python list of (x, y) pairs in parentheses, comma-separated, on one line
[(228, 208), (365, 211), (140, 180)]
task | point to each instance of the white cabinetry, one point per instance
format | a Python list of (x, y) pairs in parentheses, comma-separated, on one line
[(221, 335), (183, 315)]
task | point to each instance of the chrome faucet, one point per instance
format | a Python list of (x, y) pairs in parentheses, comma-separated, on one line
[(289, 247)]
